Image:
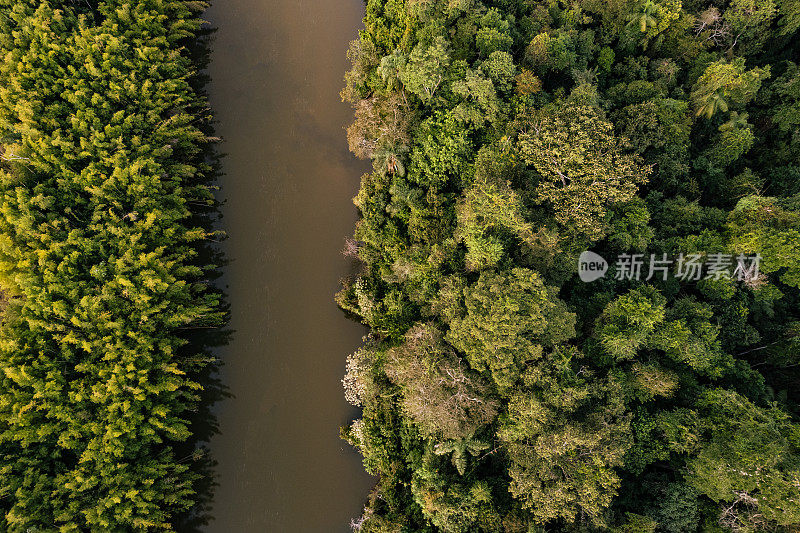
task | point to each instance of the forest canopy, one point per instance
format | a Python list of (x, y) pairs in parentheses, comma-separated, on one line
[(103, 182), (501, 392)]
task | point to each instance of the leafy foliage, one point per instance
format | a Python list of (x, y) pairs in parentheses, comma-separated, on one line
[(501, 393), (102, 158)]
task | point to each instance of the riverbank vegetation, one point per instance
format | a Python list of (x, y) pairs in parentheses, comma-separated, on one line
[(103, 185), (501, 393)]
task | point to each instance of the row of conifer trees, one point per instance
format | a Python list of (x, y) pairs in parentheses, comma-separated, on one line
[(103, 139)]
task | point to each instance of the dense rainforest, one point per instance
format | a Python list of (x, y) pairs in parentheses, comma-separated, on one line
[(500, 391), (104, 183)]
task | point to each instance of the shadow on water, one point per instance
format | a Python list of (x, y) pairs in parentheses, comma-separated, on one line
[(203, 344)]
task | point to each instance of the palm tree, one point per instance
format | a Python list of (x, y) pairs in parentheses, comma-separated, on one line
[(388, 160), (459, 449), (711, 104), (645, 17)]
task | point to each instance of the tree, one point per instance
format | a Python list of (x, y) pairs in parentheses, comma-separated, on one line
[(426, 69), (627, 323), (735, 139), (766, 226), (454, 505), (724, 83), (645, 17), (786, 111), (104, 192), (789, 11), (510, 317), (493, 34), (583, 167), (382, 123), (440, 393), (749, 460), (688, 336), (527, 83), (480, 102), (551, 51), (750, 22), (636, 524), (597, 419), (565, 433), (458, 449), (487, 210)]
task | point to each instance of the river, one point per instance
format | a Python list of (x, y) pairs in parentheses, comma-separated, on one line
[(277, 67)]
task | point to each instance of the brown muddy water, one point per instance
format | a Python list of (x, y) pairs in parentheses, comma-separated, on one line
[(277, 68)]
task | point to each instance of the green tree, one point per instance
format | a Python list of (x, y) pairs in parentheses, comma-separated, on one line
[(735, 139), (627, 323), (768, 227), (103, 186), (726, 83), (583, 167), (566, 434), (749, 460), (458, 449), (426, 69), (645, 17), (510, 317)]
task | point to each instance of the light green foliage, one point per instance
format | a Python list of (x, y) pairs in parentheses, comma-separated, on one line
[(453, 506), (750, 21), (480, 99), (652, 18), (565, 435), (635, 523), (551, 52), (735, 139), (639, 320), (493, 34), (582, 165), (458, 449), (102, 163), (724, 84), (442, 144), (426, 69), (789, 11), (630, 227), (650, 381), (509, 318), (500, 68), (748, 458), (390, 68), (689, 336), (488, 209), (762, 225), (644, 18), (627, 322)]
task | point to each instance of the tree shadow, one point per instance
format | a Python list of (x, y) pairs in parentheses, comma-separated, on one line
[(205, 344)]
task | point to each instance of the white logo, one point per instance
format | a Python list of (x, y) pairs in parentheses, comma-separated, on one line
[(591, 266)]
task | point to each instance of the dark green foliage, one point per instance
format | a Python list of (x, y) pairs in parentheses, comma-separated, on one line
[(530, 131)]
